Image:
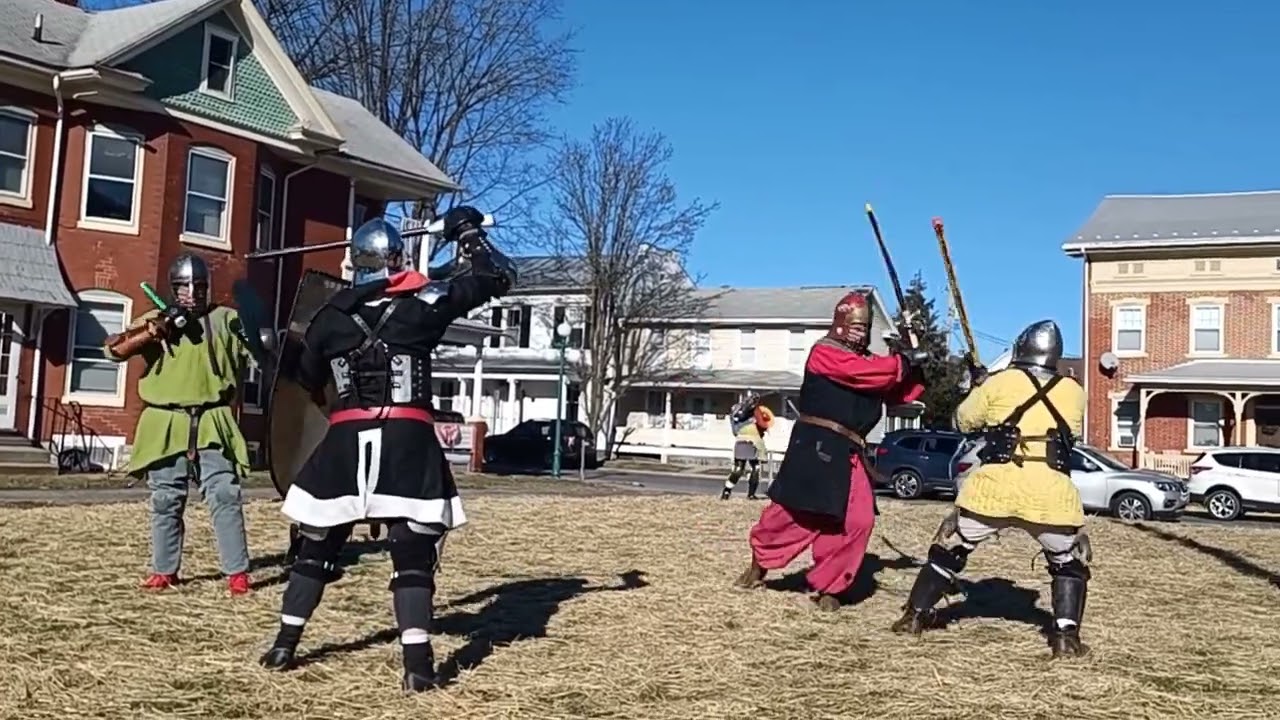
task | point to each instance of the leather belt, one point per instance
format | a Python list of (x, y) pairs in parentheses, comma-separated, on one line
[(392, 412), (834, 427)]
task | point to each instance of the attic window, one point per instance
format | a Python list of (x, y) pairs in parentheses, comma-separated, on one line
[(1212, 266), (1122, 268), (219, 62)]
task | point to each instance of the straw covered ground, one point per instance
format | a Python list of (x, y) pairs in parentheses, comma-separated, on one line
[(621, 607)]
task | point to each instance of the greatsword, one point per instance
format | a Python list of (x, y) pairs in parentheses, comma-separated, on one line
[(956, 298), (905, 329)]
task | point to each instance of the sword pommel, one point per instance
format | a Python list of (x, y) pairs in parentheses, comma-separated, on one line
[(937, 224), (869, 210)]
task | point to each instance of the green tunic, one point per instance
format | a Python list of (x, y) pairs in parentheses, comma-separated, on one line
[(187, 374)]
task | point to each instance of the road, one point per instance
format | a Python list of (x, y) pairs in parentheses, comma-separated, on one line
[(633, 480)]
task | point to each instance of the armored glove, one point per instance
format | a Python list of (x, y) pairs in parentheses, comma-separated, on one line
[(977, 373), (914, 358)]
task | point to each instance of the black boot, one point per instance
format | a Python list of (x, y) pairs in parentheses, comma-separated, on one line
[(753, 484), (419, 669), (295, 543), (1069, 594), (726, 492), (930, 587), (282, 654)]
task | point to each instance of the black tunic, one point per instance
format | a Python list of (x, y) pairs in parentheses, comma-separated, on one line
[(390, 468)]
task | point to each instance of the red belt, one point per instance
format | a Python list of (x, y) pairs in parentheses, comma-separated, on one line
[(380, 413)]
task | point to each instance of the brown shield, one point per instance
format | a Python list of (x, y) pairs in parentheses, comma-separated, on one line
[(295, 424)]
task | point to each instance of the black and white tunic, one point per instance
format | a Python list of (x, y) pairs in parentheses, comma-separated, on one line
[(390, 468)]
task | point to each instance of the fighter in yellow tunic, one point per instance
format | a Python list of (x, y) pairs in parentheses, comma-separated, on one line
[(1030, 416), (749, 421)]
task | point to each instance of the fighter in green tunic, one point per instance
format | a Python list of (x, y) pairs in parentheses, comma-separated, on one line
[(195, 355)]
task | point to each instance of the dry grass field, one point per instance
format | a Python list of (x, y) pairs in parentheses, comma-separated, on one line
[(622, 607)]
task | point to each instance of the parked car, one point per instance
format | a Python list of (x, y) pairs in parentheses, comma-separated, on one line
[(1231, 480), (915, 463), (530, 446), (1106, 485)]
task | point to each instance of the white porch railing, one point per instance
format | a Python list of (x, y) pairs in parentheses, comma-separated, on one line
[(1174, 463)]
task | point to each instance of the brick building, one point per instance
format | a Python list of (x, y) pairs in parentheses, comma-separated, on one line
[(129, 136), (1181, 324)]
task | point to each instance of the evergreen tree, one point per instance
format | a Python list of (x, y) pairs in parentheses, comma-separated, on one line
[(942, 372)]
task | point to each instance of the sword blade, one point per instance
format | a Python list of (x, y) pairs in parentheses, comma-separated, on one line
[(261, 254), (910, 335)]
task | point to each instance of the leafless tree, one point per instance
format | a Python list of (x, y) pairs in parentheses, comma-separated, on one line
[(469, 82), (614, 216)]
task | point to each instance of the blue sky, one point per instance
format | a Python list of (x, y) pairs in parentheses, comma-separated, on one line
[(1008, 118)]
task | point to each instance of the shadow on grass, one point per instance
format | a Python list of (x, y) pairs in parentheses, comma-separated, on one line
[(1230, 558), (864, 585)]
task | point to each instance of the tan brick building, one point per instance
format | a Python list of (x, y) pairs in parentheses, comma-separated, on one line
[(1181, 324)]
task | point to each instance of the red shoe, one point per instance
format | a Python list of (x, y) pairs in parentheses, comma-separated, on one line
[(238, 584), (157, 581)]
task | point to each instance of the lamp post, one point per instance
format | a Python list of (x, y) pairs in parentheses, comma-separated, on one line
[(561, 342)]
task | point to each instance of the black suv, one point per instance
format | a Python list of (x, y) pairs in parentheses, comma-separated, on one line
[(915, 463)]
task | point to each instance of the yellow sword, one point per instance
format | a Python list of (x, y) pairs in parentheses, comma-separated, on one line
[(955, 291)]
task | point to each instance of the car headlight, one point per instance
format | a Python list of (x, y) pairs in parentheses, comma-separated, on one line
[(1167, 486)]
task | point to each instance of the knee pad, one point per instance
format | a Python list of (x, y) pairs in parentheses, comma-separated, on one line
[(415, 553), (318, 550), (952, 560), (1073, 569)]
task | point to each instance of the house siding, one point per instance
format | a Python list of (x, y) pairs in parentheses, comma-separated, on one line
[(175, 68)]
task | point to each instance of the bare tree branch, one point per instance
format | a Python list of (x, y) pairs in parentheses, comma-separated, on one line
[(614, 212)]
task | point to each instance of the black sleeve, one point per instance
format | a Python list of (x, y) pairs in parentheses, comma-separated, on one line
[(468, 292), (313, 367)]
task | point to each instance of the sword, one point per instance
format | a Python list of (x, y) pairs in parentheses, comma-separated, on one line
[(904, 328), (955, 291)]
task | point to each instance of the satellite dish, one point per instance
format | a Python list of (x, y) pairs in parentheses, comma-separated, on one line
[(1109, 361)]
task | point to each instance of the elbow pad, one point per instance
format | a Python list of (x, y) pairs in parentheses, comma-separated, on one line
[(132, 341)]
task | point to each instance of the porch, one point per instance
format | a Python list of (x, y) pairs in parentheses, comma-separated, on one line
[(1181, 411), (505, 390)]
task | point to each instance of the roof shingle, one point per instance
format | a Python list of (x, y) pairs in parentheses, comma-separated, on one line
[(1180, 219), (29, 269)]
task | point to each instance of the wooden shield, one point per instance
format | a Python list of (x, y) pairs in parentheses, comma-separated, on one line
[(295, 424)]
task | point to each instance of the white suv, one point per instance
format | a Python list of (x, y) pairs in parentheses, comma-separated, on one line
[(1231, 480)]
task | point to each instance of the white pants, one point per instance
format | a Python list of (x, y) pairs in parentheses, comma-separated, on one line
[(1058, 542)]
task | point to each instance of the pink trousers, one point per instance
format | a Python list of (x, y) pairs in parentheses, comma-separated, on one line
[(781, 535)]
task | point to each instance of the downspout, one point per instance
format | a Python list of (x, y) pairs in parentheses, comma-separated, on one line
[(1087, 370), (37, 363), (54, 174), (351, 209), (38, 315), (284, 224)]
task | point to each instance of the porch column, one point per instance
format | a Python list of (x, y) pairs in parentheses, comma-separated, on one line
[(666, 427), (1238, 399), (512, 411), (1144, 399), (477, 381), (461, 394)]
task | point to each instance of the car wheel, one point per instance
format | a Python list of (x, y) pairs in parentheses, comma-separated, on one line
[(907, 484), (1223, 504), (1131, 507)]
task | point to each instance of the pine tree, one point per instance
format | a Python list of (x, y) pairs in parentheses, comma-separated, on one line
[(942, 372)]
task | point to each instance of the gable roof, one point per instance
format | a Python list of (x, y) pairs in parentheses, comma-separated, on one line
[(1157, 221), (815, 303), (74, 37)]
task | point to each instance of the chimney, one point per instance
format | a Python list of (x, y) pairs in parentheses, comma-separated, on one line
[(37, 30)]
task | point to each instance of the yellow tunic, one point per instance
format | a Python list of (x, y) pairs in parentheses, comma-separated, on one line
[(1033, 492), (750, 433)]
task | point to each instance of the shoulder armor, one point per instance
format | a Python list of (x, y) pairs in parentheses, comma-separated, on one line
[(434, 290)]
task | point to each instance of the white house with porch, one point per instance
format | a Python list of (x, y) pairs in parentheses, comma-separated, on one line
[(744, 340)]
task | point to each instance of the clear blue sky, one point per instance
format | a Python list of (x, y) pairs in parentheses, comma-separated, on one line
[(1008, 118)]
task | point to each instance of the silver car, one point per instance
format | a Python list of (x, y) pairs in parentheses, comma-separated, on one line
[(1105, 484)]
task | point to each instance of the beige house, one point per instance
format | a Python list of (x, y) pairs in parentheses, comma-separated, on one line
[(1182, 324), (745, 340)]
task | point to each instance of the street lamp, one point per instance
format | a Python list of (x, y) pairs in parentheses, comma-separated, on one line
[(561, 342)]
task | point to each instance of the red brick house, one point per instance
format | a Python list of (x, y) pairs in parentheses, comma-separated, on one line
[(1181, 324), (129, 136)]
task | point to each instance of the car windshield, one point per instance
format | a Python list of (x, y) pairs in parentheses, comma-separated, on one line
[(1101, 458)]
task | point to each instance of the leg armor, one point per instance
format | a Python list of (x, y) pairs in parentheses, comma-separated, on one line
[(1070, 589), (734, 476), (415, 557), (937, 576), (315, 567), (753, 480)]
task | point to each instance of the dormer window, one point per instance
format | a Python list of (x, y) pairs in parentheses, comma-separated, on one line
[(219, 62)]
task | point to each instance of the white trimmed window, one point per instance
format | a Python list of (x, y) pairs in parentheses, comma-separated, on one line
[(217, 75), (264, 238), (747, 347), (1124, 423), (209, 173), (112, 176), (702, 348), (17, 146), (1275, 328), (358, 213), (1130, 323), (1204, 426), (1206, 328), (796, 349), (92, 378)]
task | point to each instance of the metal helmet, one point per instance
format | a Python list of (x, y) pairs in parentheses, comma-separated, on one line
[(191, 272), (1039, 345), (377, 252), (852, 311)]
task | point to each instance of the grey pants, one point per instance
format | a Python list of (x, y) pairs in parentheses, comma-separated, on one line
[(220, 488)]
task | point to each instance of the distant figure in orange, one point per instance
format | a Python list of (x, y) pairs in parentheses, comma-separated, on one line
[(749, 420)]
